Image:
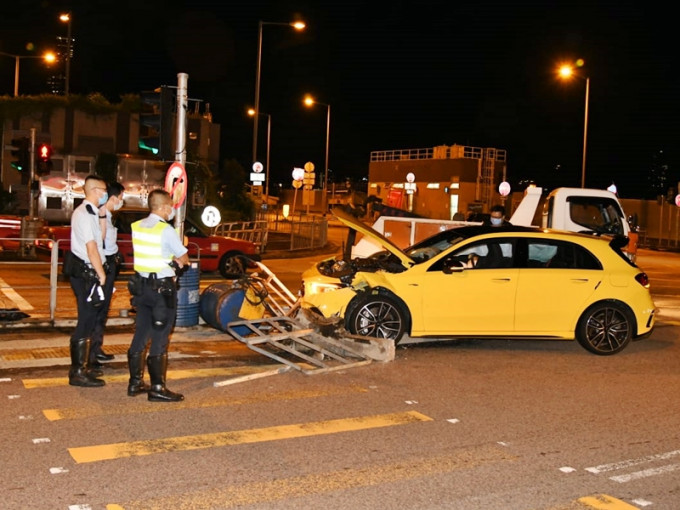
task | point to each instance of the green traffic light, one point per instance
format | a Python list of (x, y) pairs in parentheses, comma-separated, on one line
[(142, 145)]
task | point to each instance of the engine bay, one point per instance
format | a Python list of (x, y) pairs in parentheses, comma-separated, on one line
[(345, 269)]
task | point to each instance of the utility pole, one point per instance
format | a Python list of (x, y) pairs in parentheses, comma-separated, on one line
[(180, 146)]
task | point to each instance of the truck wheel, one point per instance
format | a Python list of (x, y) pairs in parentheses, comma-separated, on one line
[(377, 315), (605, 328), (231, 266)]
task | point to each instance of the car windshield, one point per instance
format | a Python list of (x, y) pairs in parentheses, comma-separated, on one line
[(433, 246)]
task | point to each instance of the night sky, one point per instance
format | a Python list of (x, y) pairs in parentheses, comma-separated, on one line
[(397, 76)]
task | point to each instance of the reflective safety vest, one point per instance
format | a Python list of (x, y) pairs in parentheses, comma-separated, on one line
[(146, 247)]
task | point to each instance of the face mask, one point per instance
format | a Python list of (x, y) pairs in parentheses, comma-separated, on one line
[(118, 205), (103, 199), (172, 214), (496, 221)]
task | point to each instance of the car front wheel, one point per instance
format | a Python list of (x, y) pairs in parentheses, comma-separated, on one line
[(377, 315), (605, 328), (232, 266)]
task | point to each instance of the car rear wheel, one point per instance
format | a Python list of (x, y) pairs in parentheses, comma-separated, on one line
[(377, 315), (605, 328), (232, 266)]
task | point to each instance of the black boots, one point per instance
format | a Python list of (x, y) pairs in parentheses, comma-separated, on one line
[(79, 375), (158, 366), (136, 385)]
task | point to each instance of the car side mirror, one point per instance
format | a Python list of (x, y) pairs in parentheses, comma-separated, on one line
[(452, 266)]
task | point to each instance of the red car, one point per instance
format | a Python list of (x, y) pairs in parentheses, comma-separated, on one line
[(10, 232), (227, 255)]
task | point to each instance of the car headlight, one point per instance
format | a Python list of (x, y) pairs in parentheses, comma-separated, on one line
[(319, 288)]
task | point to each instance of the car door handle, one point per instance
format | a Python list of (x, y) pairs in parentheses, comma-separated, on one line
[(502, 279), (413, 284)]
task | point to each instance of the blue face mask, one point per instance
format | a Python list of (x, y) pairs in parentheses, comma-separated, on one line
[(496, 221), (103, 199)]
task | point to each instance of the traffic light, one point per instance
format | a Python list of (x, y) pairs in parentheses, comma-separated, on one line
[(20, 152), (44, 159), (157, 118)]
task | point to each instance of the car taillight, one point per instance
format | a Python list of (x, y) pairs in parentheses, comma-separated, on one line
[(642, 279)]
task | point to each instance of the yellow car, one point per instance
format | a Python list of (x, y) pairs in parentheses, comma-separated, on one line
[(487, 282)]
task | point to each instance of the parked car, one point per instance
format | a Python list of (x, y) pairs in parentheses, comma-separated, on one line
[(227, 255), (488, 282), (10, 232)]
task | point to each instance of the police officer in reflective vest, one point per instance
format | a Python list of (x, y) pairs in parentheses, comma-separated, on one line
[(158, 250), (85, 267)]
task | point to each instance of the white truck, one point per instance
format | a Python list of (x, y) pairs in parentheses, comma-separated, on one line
[(583, 210)]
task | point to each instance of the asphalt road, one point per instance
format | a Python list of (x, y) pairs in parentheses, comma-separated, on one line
[(455, 425)]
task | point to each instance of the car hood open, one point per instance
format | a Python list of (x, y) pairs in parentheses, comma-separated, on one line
[(355, 224)]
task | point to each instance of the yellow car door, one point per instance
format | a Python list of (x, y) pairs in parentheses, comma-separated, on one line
[(478, 299), (557, 281)]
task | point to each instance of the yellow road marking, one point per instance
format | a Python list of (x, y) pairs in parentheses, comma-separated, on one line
[(261, 493), (196, 442), (172, 375), (604, 502), (140, 405)]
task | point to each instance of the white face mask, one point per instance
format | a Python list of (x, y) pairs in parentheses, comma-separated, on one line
[(172, 214), (118, 205)]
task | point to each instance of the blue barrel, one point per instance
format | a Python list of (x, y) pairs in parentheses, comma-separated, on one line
[(220, 304), (188, 296)]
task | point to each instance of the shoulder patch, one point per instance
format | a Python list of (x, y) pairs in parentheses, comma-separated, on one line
[(90, 209)]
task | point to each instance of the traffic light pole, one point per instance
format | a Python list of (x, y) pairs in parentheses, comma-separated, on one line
[(31, 176)]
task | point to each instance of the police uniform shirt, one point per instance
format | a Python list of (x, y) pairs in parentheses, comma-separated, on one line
[(85, 228), (110, 235), (170, 243)]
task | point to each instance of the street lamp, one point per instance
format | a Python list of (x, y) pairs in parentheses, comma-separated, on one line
[(566, 72), (66, 18), (309, 101), (251, 112), (47, 57), (297, 25)]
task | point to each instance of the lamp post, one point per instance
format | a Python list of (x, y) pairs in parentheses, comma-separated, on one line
[(297, 25), (566, 72), (251, 112), (309, 101), (66, 18), (47, 57)]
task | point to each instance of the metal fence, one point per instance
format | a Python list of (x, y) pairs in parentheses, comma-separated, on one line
[(297, 231), (254, 231)]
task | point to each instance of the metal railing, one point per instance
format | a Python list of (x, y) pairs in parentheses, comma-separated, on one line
[(253, 231)]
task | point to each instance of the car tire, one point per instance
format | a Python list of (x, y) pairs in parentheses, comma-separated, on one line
[(605, 328), (377, 315), (232, 266)]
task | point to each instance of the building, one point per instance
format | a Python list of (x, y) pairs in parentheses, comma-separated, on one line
[(79, 132), (440, 182)]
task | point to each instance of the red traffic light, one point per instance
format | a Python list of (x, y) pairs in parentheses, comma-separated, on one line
[(44, 152)]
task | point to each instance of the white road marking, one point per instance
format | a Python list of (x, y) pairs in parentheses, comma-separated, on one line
[(58, 470), (567, 469), (642, 502), (632, 462), (39, 440), (646, 473), (14, 296)]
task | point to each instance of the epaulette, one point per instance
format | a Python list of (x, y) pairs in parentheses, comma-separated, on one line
[(90, 209)]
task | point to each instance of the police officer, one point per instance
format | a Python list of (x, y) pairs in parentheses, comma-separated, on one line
[(155, 244), (87, 275), (110, 236)]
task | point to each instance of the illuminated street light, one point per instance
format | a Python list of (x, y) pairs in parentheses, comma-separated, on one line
[(66, 18), (310, 101), (251, 112), (48, 57), (297, 25), (566, 72)]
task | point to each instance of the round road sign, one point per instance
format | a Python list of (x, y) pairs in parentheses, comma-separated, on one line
[(297, 184), (176, 184), (257, 167), (504, 188), (298, 174), (211, 216), (410, 177), (309, 167)]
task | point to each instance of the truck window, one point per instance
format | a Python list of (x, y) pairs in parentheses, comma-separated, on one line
[(599, 214)]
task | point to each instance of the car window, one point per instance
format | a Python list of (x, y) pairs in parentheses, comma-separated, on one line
[(548, 253), (487, 254)]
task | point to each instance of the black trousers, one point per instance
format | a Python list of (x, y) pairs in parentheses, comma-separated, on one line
[(87, 314), (97, 338), (145, 304)]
